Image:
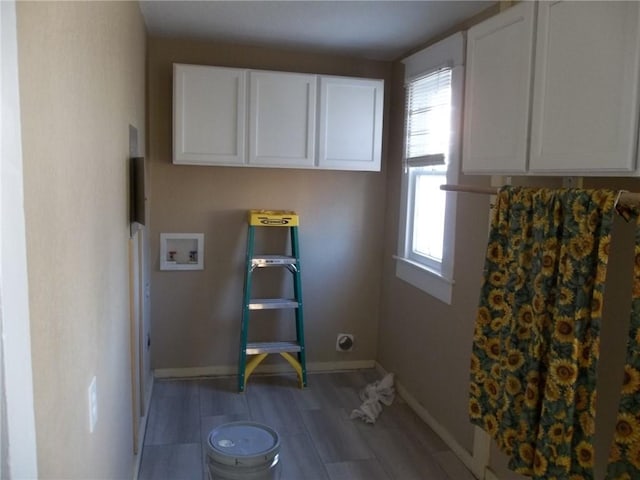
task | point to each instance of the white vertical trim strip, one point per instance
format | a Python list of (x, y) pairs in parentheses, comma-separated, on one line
[(20, 427), (481, 452)]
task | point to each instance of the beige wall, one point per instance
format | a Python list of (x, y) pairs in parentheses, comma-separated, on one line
[(82, 84), (425, 342), (196, 314)]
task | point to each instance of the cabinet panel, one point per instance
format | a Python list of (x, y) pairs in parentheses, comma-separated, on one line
[(350, 133), (498, 82), (282, 119), (585, 100), (208, 115)]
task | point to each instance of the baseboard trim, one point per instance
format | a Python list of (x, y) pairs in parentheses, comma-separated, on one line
[(464, 456), (137, 458), (226, 370)]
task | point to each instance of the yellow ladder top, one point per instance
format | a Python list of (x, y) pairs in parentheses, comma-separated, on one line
[(273, 218)]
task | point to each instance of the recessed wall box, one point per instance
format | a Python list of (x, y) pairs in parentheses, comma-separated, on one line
[(182, 251)]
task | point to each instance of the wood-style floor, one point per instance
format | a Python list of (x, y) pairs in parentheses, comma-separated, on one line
[(318, 440)]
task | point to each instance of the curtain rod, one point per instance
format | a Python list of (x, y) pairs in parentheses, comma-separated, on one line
[(630, 199)]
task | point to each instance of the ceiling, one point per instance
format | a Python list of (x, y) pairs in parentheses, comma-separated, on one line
[(374, 29)]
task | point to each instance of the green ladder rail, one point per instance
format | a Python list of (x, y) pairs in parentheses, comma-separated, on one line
[(252, 353)]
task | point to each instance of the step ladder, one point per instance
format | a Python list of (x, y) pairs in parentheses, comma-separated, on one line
[(252, 353)]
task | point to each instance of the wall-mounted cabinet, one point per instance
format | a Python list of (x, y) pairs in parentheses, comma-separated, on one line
[(585, 89), (209, 115), (574, 109), (498, 82), (282, 119), (239, 117), (350, 131)]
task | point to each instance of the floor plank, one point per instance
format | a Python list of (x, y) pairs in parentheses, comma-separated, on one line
[(335, 436), (271, 402), (300, 459), (357, 470), (318, 439), (171, 462), (400, 416), (219, 396), (401, 458), (173, 416)]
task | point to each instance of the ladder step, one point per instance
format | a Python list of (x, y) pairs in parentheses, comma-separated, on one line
[(272, 260), (272, 347), (272, 303)]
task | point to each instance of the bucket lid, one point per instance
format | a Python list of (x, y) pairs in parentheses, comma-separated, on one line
[(243, 444)]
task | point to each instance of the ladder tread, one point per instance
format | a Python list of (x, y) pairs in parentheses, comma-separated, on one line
[(273, 260), (272, 303), (254, 348)]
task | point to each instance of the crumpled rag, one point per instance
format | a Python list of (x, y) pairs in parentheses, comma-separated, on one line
[(373, 395)]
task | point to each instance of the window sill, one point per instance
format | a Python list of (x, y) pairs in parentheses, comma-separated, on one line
[(424, 279)]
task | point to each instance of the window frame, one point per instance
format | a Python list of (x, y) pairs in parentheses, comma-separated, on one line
[(429, 262), (434, 278)]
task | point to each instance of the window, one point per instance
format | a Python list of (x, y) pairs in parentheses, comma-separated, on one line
[(427, 145), (433, 81)]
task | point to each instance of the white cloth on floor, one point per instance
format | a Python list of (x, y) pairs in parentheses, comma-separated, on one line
[(372, 396)]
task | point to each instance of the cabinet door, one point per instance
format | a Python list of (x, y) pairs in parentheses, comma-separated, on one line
[(350, 133), (208, 115), (585, 97), (282, 119), (497, 92)]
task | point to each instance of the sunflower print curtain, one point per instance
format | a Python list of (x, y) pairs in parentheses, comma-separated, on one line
[(624, 457), (536, 341)]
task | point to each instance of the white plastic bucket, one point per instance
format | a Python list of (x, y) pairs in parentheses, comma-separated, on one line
[(243, 451)]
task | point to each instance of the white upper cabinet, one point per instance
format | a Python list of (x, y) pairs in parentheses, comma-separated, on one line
[(350, 131), (282, 119), (576, 111), (498, 84), (585, 97), (208, 115), (258, 118)]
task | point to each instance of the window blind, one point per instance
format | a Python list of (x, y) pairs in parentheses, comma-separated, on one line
[(428, 118)]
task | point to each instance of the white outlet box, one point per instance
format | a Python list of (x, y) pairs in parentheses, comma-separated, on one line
[(93, 405)]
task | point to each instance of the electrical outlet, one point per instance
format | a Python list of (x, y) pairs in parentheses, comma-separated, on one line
[(344, 342), (93, 405)]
